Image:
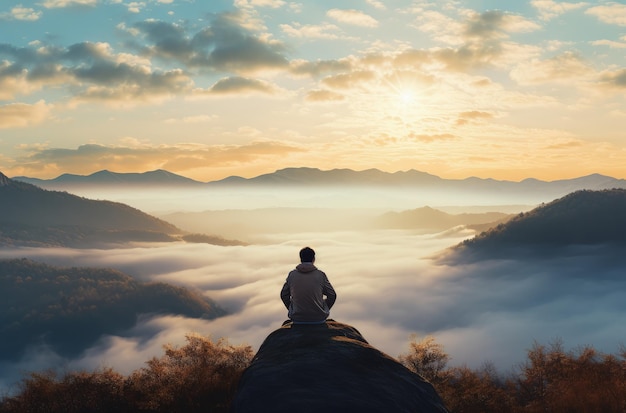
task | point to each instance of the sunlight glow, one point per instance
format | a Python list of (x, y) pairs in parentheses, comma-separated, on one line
[(407, 97)]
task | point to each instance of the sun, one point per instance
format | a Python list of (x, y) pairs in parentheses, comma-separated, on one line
[(402, 94), (407, 97)]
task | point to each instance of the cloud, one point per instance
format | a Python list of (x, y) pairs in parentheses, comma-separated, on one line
[(413, 58), (92, 71), (387, 287), (311, 31), (56, 4), (376, 4), (611, 13), (224, 45), (473, 116), (614, 80), (192, 119), (353, 17), (324, 96), (90, 158), (20, 12), (611, 43), (472, 41), (549, 9), (13, 81), (273, 4), (18, 115), (320, 67), (350, 80), (143, 87), (241, 85), (563, 68), (431, 138), (135, 6), (497, 24), (444, 28), (566, 144)]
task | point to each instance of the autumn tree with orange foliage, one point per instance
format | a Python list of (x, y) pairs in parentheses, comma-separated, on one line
[(550, 380), (198, 377), (202, 376)]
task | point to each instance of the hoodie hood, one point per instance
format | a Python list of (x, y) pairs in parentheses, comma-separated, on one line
[(306, 267)]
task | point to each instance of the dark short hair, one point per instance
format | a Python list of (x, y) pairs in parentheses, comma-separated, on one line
[(307, 254)]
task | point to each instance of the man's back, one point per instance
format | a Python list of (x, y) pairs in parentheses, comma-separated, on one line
[(303, 294)]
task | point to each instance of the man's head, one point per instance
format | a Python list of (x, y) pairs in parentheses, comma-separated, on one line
[(307, 255)]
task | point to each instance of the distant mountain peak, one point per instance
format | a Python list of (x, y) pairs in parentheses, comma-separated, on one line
[(307, 176), (108, 178)]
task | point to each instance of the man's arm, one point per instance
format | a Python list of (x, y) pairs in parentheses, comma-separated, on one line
[(329, 292), (285, 295)]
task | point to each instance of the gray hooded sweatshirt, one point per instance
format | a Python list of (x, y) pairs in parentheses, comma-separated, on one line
[(303, 294)]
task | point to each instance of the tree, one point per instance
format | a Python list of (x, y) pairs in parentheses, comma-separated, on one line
[(427, 358)]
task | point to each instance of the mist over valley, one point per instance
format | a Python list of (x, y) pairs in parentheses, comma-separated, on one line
[(398, 268)]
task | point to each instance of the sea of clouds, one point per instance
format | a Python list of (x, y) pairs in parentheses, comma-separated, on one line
[(389, 286)]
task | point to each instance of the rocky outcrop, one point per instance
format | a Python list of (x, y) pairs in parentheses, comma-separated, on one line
[(329, 368)]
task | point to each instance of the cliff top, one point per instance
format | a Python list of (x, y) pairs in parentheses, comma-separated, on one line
[(329, 368)]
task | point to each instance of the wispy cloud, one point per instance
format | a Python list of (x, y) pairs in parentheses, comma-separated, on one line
[(92, 70), (563, 68), (550, 9), (377, 4), (16, 115), (349, 80), (273, 4), (241, 85), (473, 116), (611, 13), (614, 79), (96, 73), (497, 24), (351, 16), (487, 311), (611, 43), (320, 67), (20, 12), (185, 157), (224, 45), (324, 96), (311, 31), (55, 4)]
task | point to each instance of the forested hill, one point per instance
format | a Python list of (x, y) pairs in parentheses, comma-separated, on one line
[(580, 218), (24, 203), (31, 216), (68, 309)]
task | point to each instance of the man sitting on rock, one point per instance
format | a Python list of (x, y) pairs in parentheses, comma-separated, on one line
[(304, 291)]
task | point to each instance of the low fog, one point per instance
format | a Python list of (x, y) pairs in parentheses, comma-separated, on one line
[(162, 200), (389, 286)]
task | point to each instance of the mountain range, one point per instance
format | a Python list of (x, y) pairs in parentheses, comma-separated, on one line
[(32, 216), (157, 178), (312, 177)]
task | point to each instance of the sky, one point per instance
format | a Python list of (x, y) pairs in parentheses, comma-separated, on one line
[(210, 89)]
